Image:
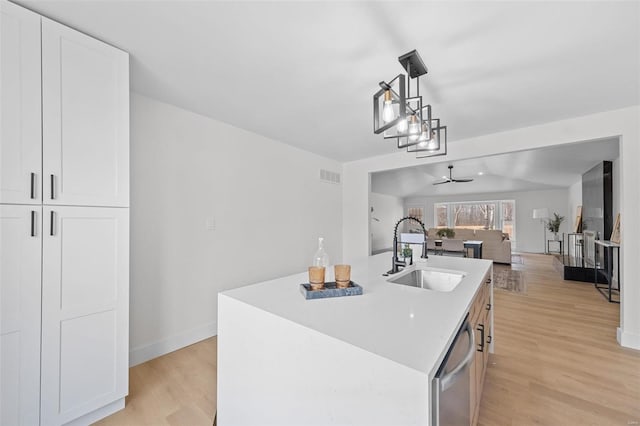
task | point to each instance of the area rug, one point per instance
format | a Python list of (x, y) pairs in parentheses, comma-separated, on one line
[(507, 279)]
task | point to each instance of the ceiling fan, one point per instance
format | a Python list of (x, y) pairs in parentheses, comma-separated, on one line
[(450, 179)]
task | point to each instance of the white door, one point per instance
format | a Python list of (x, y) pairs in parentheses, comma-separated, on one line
[(20, 262), (85, 310), (85, 119), (20, 105)]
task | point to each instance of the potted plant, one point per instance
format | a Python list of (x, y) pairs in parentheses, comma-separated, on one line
[(554, 225), (407, 251), (446, 233)]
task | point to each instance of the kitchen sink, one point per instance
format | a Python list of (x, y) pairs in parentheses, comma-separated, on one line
[(430, 279)]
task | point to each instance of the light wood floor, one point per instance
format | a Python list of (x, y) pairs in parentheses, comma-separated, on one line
[(556, 362), (556, 358)]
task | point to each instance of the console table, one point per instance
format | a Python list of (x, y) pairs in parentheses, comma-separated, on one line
[(438, 244), (476, 246), (606, 290)]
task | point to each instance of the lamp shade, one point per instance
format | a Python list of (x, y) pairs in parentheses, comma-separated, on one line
[(541, 213)]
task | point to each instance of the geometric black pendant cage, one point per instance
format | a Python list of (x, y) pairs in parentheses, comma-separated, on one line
[(399, 115), (434, 147)]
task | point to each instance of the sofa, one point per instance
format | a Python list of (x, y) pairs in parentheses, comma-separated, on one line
[(495, 244)]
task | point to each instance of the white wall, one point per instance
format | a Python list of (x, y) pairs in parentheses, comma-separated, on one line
[(529, 231), (388, 210), (623, 123), (263, 198)]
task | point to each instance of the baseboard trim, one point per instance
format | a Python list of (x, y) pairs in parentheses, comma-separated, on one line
[(628, 340), (162, 347), (98, 414)]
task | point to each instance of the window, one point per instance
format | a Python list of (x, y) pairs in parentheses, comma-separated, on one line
[(509, 218), (441, 215), (495, 214), (474, 216), (415, 212)]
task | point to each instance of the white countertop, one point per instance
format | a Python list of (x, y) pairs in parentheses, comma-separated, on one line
[(408, 325)]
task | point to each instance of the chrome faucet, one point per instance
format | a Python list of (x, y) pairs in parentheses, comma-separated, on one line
[(397, 263)]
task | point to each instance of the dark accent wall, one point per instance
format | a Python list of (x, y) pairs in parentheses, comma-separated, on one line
[(597, 199)]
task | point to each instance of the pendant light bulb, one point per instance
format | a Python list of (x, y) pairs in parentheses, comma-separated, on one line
[(432, 144), (414, 128), (402, 126), (424, 136), (387, 110)]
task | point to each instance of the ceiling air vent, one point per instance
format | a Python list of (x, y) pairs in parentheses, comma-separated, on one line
[(329, 177)]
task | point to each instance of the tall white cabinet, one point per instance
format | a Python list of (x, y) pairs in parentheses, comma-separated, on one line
[(64, 223), (85, 305), (85, 119), (20, 254), (20, 103)]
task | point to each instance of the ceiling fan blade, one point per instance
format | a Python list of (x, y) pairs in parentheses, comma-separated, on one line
[(462, 180), (441, 182)]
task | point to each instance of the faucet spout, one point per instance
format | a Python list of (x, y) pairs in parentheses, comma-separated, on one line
[(397, 263)]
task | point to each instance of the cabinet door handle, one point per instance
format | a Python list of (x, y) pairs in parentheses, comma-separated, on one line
[(33, 223), (51, 224), (33, 186), (481, 330), (488, 306), (488, 339), (488, 281), (53, 184)]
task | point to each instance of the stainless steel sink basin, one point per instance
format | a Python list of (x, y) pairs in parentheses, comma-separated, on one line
[(430, 279)]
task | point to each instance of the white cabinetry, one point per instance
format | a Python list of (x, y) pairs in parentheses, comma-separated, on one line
[(64, 223), (20, 259), (20, 100), (85, 119), (85, 309)]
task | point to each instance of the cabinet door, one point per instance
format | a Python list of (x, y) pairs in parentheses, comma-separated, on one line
[(20, 266), (487, 339), (85, 310), (473, 397), (20, 105), (85, 119)]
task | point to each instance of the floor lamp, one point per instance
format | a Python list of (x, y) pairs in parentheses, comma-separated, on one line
[(543, 215)]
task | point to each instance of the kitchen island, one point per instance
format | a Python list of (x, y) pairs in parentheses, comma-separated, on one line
[(358, 360)]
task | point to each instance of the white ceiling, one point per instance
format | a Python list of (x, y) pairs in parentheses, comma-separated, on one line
[(304, 72), (549, 168)]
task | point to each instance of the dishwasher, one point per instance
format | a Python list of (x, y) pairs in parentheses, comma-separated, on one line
[(451, 405)]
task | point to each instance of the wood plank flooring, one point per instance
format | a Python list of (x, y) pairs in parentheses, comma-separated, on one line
[(557, 363), (556, 358), (178, 389)]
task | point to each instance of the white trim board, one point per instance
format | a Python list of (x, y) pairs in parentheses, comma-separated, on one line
[(628, 340), (98, 414), (173, 343)]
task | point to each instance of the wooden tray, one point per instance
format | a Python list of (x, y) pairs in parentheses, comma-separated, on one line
[(330, 290)]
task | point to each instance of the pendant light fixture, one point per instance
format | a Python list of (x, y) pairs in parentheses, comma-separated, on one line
[(399, 115)]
